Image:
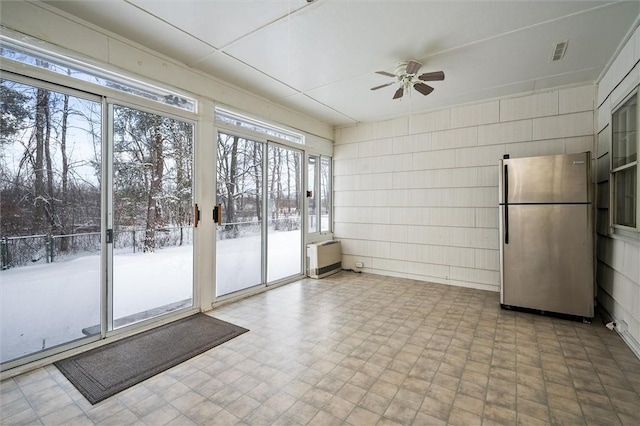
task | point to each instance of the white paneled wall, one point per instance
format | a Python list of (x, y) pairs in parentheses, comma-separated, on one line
[(618, 255), (417, 196)]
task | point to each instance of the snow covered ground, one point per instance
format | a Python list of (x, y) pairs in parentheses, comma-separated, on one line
[(49, 304), (46, 305), (239, 259)]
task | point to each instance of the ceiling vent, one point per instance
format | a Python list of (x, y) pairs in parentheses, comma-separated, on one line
[(558, 51)]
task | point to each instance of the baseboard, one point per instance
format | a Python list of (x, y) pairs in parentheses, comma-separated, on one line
[(627, 338)]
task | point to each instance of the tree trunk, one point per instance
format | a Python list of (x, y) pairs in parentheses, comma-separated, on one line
[(296, 165), (65, 174), (179, 159), (231, 181), (257, 181), (154, 213), (274, 184), (49, 166), (288, 183), (42, 102)]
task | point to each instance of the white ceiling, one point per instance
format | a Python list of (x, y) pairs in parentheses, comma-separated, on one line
[(321, 57)]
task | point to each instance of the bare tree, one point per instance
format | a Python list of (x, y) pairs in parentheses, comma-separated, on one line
[(154, 210), (42, 106)]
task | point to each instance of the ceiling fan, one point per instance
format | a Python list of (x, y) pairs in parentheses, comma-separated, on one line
[(405, 74)]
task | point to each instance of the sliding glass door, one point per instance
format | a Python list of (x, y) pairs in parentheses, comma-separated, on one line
[(259, 239), (50, 239), (94, 235), (152, 215), (239, 238), (284, 230)]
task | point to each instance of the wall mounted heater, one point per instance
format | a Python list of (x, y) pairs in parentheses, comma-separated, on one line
[(324, 258)]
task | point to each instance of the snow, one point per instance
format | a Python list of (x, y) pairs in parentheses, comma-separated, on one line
[(45, 305), (239, 259)]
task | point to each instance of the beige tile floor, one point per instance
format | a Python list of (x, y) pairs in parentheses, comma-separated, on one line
[(361, 349)]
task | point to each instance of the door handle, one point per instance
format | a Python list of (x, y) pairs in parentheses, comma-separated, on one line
[(196, 215), (506, 204), (217, 214)]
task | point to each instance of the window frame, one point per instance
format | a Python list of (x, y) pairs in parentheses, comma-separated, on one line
[(329, 191), (26, 73), (78, 72), (317, 193), (614, 170), (252, 125), (229, 120)]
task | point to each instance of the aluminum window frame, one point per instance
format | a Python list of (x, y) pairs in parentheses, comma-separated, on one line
[(49, 79), (317, 193), (614, 171), (80, 73), (266, 130)]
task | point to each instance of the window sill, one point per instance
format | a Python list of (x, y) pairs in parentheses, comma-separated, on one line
[(632, 237)]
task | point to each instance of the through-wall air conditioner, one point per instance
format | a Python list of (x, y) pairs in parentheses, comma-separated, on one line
[(324, 258)]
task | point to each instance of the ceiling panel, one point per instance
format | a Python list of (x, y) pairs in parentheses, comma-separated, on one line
[(493, 67), (339, 39), (134, 24), (219, 22), (309, 106), (235, 72), (320, 57)]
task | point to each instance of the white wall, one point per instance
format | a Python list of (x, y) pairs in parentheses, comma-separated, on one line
[(417, 196), (618, 256)]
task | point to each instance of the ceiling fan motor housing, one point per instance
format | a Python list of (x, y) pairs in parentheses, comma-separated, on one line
[(401, 70)]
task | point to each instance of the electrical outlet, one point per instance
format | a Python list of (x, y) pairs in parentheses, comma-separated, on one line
[(359, 265)]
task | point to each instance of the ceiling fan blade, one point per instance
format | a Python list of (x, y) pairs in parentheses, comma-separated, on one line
[(383, 85), (432, 76), (413, 67), (398, 93), (425, 89), (388, 74)]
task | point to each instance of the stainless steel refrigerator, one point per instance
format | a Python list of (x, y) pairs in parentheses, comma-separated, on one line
[(546, 250)]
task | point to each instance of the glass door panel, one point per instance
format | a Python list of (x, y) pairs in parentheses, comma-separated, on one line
[(152, 215), (239, 239), (312, 213), (284, 206), (325, 194), (51, 162)]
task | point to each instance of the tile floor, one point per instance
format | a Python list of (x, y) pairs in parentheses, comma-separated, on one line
[(362, 349)]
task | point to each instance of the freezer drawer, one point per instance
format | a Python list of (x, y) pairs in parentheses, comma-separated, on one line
[(546, 179), (547, 263)]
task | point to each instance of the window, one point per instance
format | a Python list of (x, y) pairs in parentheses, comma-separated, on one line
[(243, 122), (325, 194), (45, 59), (319, 193), (624, 164), (94, 194)]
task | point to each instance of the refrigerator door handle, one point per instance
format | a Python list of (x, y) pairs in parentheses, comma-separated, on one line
[(506, 204)]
